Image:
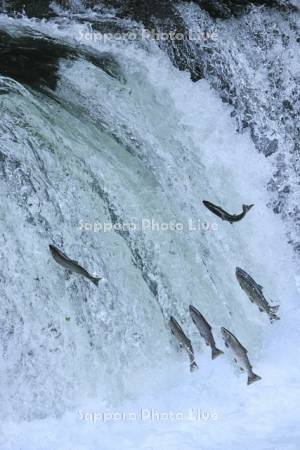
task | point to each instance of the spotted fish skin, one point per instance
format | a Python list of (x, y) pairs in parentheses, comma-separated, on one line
[(255, 294), (183, 341), (240, 355)]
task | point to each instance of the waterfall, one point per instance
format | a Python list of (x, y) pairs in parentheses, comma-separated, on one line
[(107, 150)]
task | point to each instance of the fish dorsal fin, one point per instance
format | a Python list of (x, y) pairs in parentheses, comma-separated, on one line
[(260, 287)]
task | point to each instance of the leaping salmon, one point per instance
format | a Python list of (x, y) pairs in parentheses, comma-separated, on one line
[(255, 294), (69, 264), (183, 341), (224, 215), (240, 355), (205, 331)]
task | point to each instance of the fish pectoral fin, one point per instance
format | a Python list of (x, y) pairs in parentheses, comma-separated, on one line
[(235, 360), (242, 369), (261, 310), (226, 345)]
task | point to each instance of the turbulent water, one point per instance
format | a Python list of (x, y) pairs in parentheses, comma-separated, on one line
[(120, 138)]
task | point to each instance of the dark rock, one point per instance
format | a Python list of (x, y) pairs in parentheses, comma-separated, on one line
[(224, 9), (287, 105), (271, 148), (144, 10), (32, 8)]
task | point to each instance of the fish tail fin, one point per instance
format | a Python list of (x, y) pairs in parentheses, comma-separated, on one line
[(273, 317), (96, 280), (193, 366), (274, 309), (272, 313), (216, 352), (252, 378), (246, 208)]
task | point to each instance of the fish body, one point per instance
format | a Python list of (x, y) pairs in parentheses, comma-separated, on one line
[(255, 294), (183, 341), (71, 265), (240, 355), (224, 215), (205, 331)]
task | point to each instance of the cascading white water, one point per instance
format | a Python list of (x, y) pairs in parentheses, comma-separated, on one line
[(146, 145)]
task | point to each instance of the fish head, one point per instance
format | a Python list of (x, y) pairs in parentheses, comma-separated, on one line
[(192, 310), (171, 320), (240, 273), (224, 332), (208, 204), (173, 323)]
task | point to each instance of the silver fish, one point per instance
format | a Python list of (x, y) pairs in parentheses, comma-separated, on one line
[(183, 341), (255, 294), (241, 355), (205, 331), (224, 215), (71, 265)]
